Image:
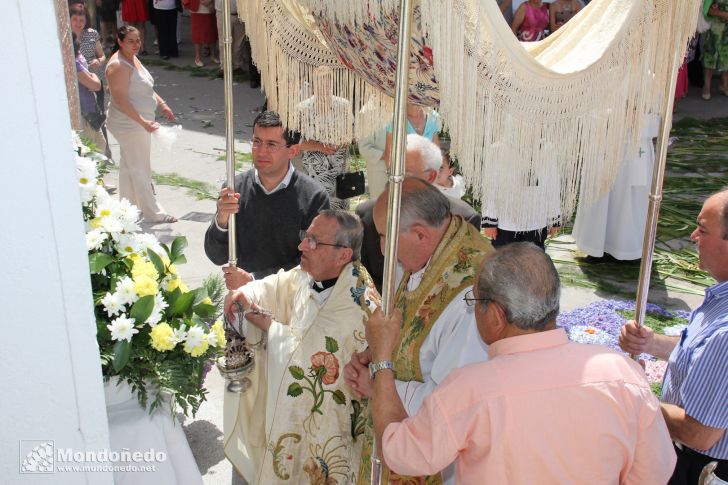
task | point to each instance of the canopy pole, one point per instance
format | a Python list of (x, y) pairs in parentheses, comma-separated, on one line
[(658, 176), (227, 68), (396, 177)]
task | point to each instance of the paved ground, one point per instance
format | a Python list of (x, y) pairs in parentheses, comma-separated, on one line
[(197, 99)]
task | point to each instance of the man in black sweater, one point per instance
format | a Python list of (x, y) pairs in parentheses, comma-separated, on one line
[(272, 203), (423, 160)]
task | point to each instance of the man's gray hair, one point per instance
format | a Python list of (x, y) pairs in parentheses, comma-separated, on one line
[(431, 154), (523, 280), (350, 232), (724, 211), (422, 203)]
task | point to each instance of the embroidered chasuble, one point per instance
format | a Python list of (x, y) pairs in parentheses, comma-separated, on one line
[(451, 269), (298, 424)]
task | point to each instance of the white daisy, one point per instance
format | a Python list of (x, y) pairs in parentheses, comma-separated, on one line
[(212, 339), (179, 334), (112, 303), (95, 239), (195, 336), (127, 244), (122, 328), (126, 291)]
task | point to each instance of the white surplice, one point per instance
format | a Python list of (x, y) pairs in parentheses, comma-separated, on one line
[(615, 224), (297, 423)]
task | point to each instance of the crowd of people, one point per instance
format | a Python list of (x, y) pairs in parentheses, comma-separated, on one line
[(468, 380)]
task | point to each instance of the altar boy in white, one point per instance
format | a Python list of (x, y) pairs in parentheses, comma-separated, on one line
[(615, 223), (298, 423)]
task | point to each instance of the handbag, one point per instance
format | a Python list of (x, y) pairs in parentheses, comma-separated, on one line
[(349, 184), (96, 119)]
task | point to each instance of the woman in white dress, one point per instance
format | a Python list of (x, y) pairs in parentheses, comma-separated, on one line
[(131, 120)]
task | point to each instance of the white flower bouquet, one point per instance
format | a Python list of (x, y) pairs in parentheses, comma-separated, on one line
[(153, 332)]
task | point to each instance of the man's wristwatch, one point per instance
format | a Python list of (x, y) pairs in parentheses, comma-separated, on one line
[(375, 367)]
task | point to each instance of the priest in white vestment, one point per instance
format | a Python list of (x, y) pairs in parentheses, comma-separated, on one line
[(615, 223), (298, 422)]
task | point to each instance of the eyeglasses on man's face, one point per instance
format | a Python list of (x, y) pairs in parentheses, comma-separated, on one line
[(470, 298), (270, 146), (313, 243)]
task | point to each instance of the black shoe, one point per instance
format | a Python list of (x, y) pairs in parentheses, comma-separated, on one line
[(594, 259)]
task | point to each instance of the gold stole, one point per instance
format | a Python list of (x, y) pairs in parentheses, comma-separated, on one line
[(452, 268)]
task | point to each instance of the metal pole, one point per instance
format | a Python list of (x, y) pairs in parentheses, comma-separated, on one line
[(397, 154), (396, 176), (658, 176), (227, 65)]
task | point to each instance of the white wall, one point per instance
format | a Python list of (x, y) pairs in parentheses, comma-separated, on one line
[(51, 378)]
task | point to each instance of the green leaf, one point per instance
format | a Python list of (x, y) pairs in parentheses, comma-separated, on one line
[(204, 310), (182, 304), (166, 250), (296, 372), (98, 261), (157, 262), (331, 345), (178, 247), (172, 296), (200, 294), (295, 389), (122, 352), (181, 259), (141, 309), (339, 397)]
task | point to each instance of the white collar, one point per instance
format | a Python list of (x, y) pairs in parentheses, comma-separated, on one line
[(416, 278), (284, 183)]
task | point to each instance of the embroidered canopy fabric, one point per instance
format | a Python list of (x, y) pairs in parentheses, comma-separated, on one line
[(575, 100)]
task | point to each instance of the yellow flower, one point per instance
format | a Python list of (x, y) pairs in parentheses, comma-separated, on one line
[(143, 268), (175, 283), (105, 213), (219, 332), (207, 301), (83, 180), (161, 337), (96, 222), (144, 285), (197, 350), (171, 268)]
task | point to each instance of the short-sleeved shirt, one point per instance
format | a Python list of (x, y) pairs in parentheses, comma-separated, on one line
[(697, 371), (87, 46), (541, 410), (86, 98)]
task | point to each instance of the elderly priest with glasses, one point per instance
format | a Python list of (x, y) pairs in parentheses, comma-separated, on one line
[(541, 410), (298, 423)]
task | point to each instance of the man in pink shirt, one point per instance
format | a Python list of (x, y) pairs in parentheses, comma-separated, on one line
[(540, 410)]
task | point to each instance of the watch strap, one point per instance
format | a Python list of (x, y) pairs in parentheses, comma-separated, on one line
[(375, 367)]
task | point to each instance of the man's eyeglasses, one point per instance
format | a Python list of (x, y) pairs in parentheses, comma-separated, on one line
[(313, 243), (470, 298), (268, 145)]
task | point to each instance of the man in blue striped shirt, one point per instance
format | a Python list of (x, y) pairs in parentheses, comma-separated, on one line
[(695, 388)]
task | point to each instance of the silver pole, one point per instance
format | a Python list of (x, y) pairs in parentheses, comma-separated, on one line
[(227, 65), (658, 176), (396, 169)]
